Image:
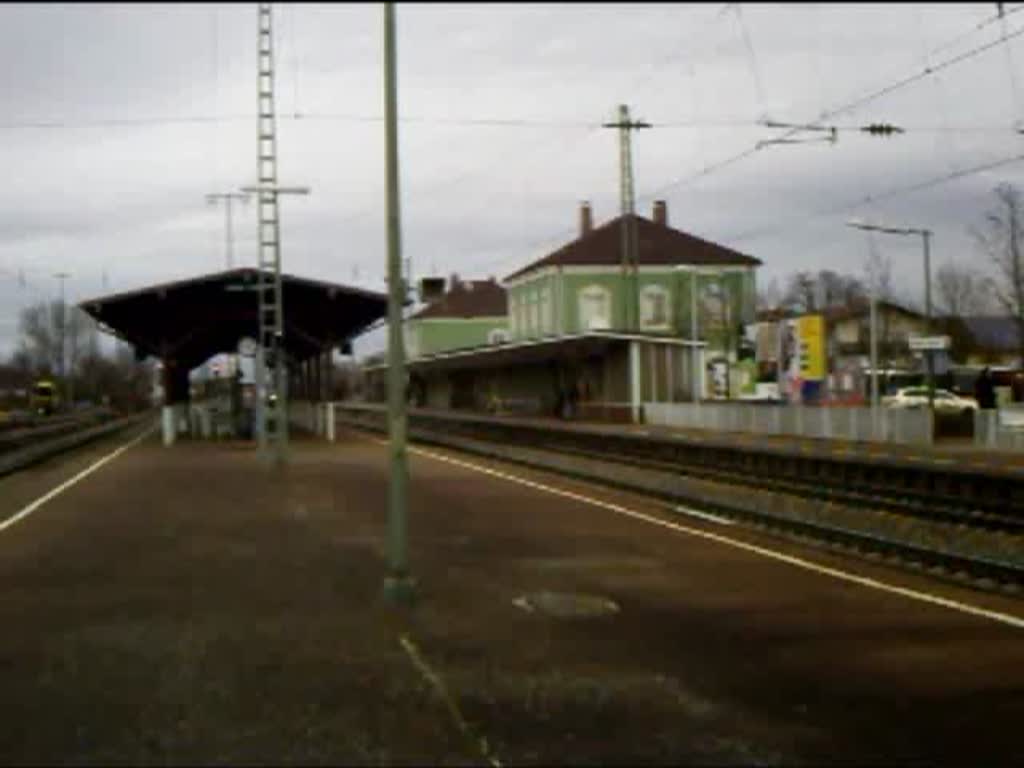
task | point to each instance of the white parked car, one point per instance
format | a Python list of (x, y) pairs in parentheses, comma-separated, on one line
[(917, 397)]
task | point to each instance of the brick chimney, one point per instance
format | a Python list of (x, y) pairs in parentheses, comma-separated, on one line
[(586, 219), (660, 213)]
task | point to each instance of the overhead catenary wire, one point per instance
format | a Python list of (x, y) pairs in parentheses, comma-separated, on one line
[(717, 166), (710, 122), (755, 70), (834, 112), (942, 47), (946, 148), (113, 122), (872, 199), (629, 93), (926, 72), (1014, 92), (995, 18)]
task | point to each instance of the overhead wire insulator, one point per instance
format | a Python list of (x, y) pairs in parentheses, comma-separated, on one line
[(881, 129)]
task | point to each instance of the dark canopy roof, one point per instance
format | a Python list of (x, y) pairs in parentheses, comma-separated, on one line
[(192, 320)]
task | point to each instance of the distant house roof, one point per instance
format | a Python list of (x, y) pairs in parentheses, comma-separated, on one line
[(468, 298), (862, 307), (854, 309), (659, 245), (995, 333)]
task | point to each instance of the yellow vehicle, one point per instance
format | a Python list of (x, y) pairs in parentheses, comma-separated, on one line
[(44, 398)]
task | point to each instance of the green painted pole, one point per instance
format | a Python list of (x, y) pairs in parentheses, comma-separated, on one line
[(398, 586)]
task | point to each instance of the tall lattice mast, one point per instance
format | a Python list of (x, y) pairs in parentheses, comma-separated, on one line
[(273, 427)]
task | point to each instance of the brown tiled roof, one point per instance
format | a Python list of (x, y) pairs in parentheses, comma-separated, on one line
[(468, 298), (862, 307), (854, 309), (659, 245)]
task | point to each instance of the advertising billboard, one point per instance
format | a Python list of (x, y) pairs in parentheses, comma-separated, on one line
[(810, 333)]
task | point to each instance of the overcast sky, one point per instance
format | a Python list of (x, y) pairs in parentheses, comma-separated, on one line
[(118, 119)]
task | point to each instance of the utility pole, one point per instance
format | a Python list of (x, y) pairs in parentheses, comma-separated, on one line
[(229, 235), (68, 392), (271, 309), (398, 586), (630, 237)]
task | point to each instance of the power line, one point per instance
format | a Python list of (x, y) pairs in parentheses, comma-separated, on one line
[(712, 122), (340, 117), (928, 70), (1009, 61), (751, 57), (981, 25), (951, 43), (876, 198), (501, 159), (680, 51)]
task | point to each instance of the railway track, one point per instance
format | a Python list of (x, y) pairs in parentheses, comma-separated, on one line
[(33, 445), (18, 436), (912, 490)]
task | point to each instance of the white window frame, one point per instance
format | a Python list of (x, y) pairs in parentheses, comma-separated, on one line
[(412, 341), (513, 320), (584, 296), (533, 312), (544, 306), (647, 295)]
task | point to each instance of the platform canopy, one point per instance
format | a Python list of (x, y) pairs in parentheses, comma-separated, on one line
[(189, 321)]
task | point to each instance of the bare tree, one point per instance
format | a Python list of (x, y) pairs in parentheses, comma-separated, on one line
[(959, 294), (801, 292), (40, 337), (838, 290), (1001, 241), (958, 290), (55, 337)]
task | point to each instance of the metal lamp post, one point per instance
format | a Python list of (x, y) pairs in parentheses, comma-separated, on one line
[(228, 198), (926, 235)]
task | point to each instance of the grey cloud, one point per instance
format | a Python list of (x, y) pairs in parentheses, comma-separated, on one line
[(479, 199)]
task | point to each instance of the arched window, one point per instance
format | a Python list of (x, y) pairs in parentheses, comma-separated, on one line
[(514, 324), (595, 308), (412, 341), (655, 307)]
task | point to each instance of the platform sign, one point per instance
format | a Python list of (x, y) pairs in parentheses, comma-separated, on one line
[(928, 343), (247, 347)]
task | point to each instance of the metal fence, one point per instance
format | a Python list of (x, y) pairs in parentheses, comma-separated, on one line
[(210, 418), (840, 423), (1000, 429), (310, 416)]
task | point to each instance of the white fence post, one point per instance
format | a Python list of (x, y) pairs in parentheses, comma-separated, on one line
[(169, 424), (330, 421)]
